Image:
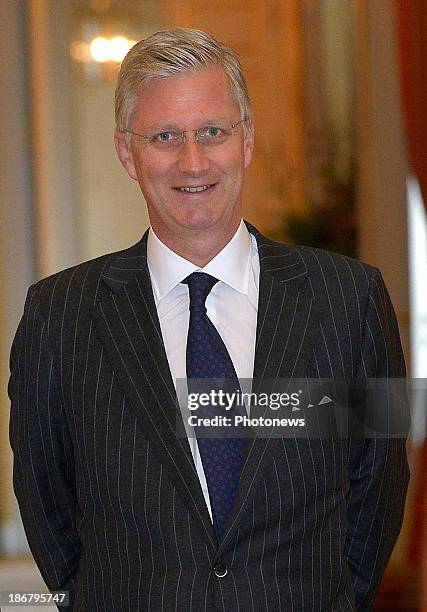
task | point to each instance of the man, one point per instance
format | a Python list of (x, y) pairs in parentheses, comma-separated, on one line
[(119, 508)]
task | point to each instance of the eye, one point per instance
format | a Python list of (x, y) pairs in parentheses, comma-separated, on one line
[(164, 136), (161, 137), (211, 131)]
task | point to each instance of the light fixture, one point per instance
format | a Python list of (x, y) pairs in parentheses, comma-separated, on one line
[(102, 35)]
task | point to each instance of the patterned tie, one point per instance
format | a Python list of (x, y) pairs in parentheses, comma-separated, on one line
[(207, 358)]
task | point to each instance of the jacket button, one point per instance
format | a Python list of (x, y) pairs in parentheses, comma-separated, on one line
[(220, 571)]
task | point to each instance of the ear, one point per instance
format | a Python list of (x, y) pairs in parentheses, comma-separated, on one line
[(248, 143), (124, 153)]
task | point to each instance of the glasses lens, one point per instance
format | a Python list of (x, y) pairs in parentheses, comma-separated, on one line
[(213, 135), (166, 140)]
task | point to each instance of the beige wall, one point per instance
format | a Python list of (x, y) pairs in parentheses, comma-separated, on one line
[(5, 494), (382, 214), (85, 204), (16, 235), (112, 211)]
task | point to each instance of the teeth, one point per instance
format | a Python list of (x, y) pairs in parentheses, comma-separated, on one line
[(194, 189)]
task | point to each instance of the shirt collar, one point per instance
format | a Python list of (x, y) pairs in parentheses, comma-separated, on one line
[(231, 265)]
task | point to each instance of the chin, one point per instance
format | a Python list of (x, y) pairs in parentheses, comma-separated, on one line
[(201, 225), (202, 221), (211, 219)]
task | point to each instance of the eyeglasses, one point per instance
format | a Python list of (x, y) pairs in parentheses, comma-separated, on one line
[(207, 136)]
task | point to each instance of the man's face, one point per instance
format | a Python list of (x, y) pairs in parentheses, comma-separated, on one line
[(188, 101)]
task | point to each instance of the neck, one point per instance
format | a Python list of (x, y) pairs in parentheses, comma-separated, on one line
[(200, 247)]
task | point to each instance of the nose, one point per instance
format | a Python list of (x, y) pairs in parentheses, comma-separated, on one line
[(192, 157)]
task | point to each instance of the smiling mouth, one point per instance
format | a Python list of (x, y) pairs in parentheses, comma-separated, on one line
[(197, 189)]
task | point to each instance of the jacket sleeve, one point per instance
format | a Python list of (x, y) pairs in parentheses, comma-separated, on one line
[(43, 470), (378, 469)]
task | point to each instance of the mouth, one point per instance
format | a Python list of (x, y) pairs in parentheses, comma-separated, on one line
[(195, 189)]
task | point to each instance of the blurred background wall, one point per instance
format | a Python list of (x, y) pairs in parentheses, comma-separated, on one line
[(331, 166)]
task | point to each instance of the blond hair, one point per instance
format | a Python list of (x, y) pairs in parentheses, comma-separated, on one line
[(170, 52)]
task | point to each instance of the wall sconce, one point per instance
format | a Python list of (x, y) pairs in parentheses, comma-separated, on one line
[(102, 35)]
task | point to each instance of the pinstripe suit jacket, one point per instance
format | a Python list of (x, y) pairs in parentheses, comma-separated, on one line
[(108, 493)]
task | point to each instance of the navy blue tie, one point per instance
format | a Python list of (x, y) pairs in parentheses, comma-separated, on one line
[(222, 456)]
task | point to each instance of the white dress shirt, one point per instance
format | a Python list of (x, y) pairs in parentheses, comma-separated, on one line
[(232, 306)]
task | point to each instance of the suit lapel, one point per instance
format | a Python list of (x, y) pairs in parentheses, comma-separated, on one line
[(285, 313), (126, 320), (286, 324)]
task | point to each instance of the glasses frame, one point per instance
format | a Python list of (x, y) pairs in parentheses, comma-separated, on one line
[(183, 132)]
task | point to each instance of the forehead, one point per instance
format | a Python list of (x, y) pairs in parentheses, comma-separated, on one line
[(186, 99)]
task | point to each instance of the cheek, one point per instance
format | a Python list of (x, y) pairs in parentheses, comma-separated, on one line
[(153, 175), (234, 165)]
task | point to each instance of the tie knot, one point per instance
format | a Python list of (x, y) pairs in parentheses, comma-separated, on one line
[(200, 285)]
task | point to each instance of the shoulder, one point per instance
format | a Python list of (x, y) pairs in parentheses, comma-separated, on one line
[(321, 268), (328, 267), (79, 285), (340, 281)]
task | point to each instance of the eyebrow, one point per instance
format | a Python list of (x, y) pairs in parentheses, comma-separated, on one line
[(162, 127)]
